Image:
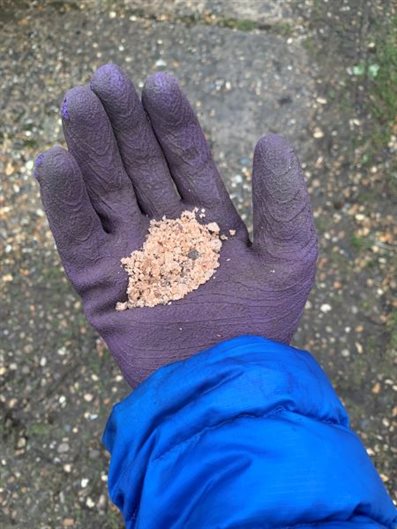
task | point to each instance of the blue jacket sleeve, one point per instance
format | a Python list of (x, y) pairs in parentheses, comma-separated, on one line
[(248, 434)]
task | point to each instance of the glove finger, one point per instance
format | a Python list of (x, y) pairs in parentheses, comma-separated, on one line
[(90, 139), (75, 225), (140, 151), (282, 215), (187, 152)]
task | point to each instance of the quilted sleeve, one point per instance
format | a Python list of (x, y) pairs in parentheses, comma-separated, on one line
[(248, 434)]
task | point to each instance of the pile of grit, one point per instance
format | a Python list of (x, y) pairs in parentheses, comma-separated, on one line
[(177, 257)]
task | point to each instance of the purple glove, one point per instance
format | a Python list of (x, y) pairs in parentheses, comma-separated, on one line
[(129, 161)]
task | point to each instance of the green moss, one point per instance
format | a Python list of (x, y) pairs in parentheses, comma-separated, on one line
[(282, 28), (372, 264), (113, 519), (322, 224), (339, 260), (211, 19), (38, 429), (392, 327), (235, 23), (368, 195), (360, 243), (52, 273), (61, 5), (31, 143), (384, 101), (188, 20)]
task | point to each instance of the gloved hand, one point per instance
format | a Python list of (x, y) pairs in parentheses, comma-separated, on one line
[(129, 161)]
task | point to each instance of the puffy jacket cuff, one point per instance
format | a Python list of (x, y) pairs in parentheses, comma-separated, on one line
[(248, 433)]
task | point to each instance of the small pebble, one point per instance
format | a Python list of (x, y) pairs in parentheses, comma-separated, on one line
[(325, 307), (62, 448), (21, 442), (90, 503)]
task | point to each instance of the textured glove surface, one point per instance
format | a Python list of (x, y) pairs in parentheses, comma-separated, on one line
[(129, 161)]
